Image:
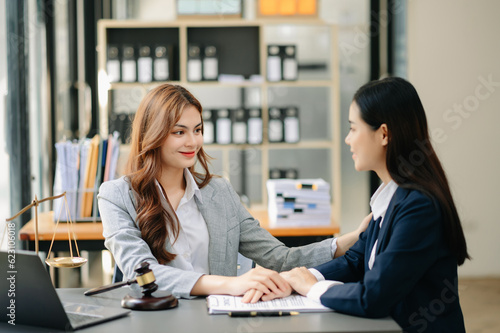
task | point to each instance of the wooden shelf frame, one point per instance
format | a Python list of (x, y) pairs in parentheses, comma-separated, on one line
[(333, 85)]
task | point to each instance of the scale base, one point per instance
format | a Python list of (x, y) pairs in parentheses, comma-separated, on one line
[(157, 301)]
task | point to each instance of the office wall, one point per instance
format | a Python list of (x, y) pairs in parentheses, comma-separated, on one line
[(454, 62)]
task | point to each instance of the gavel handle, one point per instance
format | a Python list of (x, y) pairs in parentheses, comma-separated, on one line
[(102, 289)]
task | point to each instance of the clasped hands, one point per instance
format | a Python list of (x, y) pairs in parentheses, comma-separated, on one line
[(270, 284)]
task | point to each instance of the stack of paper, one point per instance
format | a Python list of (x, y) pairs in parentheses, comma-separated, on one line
[(298, 202), (222, 304)]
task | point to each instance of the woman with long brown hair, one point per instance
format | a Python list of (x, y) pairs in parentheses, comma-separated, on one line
[(187, 224), (405, 264)]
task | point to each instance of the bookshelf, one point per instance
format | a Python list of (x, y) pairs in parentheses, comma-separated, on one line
[(316, 92)]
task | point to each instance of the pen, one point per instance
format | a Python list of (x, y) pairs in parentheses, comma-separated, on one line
[(262, 313)]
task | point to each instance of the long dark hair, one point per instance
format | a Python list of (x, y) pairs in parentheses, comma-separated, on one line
[(411, 159), (157, 114)]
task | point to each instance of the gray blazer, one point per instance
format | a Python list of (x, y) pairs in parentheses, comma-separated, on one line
[(230, 227)]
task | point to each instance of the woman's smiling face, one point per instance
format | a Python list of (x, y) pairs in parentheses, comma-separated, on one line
[(182, 144), (368, 146)]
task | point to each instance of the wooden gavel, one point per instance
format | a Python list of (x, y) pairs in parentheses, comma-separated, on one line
[(147, 281), (144, 278)]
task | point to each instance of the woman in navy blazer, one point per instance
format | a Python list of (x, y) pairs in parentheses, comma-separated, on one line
[(405, 264)]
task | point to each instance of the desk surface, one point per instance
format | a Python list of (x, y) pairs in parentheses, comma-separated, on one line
[(192, 316), (93, 230)]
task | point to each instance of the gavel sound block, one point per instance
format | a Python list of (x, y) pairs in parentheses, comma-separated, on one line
[(150, 299)]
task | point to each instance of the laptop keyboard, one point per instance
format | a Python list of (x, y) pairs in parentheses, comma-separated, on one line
[(78, 319)]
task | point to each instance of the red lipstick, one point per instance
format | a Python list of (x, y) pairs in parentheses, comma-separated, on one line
[(189, 154)]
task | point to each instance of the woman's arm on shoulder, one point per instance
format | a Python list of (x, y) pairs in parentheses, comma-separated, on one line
[(345, 242), (259, 245)]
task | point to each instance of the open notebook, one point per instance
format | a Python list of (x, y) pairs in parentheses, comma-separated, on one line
[(29, 298), (222, 304)]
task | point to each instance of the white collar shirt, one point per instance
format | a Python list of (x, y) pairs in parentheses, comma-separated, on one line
[(191, 246), (379, 204)]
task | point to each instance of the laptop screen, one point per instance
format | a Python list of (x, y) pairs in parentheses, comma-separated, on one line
[(31, 299)]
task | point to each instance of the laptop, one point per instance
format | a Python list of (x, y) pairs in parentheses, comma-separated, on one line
[(29, 297)]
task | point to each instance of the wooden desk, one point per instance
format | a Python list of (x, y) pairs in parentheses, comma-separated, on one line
[(295, 236), (89, 234), (302, 231)]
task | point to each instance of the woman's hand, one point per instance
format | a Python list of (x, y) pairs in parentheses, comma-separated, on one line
[(257, 282), (263, 281), (300, 279), (253, 295), (276, 285), (344, 242), (364, 224)]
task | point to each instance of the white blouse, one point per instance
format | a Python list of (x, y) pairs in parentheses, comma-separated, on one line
[(191, 245)]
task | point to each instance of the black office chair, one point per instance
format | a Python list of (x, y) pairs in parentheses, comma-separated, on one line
[(117, 275)]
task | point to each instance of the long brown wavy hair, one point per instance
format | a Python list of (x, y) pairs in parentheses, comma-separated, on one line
[(157, 114), (411, 159)]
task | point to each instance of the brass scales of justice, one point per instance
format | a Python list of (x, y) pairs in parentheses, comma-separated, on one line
[(150, 299), (67, 262)]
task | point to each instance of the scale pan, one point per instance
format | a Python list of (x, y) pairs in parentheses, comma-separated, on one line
[(68, 262)]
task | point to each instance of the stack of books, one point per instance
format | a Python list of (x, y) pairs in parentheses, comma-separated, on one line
[(298, 202)]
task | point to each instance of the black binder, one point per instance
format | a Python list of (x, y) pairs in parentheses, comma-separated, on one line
[(129, 64), (223, 127), (291, 124), (145, 64), (275, 130), (239, 126), (209, 117), (194, 64), (277, 173), (289, 60), (254, 126), (163, 62), (113, 64), (210, 63), (274, 63), (274, 173)]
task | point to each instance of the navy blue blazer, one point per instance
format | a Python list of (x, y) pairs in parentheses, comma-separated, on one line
[(414, 277)]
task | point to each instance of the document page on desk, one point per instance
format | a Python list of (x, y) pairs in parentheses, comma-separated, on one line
[(222, 304)]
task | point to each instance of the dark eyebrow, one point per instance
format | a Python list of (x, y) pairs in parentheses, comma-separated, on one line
[(183, 126)]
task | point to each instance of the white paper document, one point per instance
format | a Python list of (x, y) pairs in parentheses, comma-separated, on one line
[(222, 304)]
